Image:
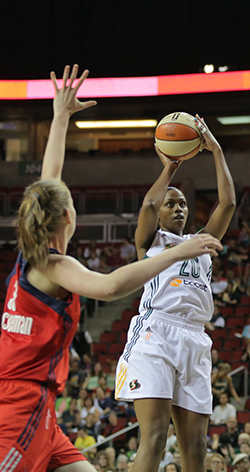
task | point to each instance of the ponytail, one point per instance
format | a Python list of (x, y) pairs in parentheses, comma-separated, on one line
[(39, 218)]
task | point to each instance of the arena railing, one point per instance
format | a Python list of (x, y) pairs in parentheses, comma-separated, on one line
[(110, 438), (239, 369)]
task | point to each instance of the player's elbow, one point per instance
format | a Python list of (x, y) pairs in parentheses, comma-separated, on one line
[(149, 204), (229, 205), (113, 291)]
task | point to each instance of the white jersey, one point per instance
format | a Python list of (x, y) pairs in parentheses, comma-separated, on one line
[(183, 290)]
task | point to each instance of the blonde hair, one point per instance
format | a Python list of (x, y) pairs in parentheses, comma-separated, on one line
[(40, 215), (219, 456)]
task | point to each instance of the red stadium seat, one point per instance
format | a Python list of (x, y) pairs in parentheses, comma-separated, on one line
[(136, 303), (218, 334), (231, 344), (100, 348), (235, 322), (123, 337), (227, 310), (105, 359), (243, 416), (242, 311), (119, 325), (217, 344), (225, 356), (116, 348), (247, 405), (128, 314), (245, 300), (236, 355), (216, 430), (108, 337)]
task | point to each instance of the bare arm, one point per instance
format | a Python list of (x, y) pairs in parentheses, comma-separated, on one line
[(65, 104), (148, 218), (222, 215), (68, 273)]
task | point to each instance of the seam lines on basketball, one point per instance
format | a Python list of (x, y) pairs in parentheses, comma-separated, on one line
[(180, 155)]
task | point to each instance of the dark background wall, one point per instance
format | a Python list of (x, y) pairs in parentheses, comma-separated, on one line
[(115, 38)]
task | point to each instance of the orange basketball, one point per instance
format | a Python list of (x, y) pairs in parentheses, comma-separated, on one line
[(178, 136)]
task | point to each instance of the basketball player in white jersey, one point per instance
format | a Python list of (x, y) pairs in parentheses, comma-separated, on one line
[(165, 367)]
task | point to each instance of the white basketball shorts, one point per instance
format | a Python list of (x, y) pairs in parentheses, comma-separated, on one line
[(166, 358)]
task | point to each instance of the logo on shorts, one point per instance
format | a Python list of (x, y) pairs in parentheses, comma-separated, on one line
[(134, 384)]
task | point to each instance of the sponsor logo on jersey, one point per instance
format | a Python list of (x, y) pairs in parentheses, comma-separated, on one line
[(176, 282), (147, 336), (134, 384), (169, 245), (192, 284), (16, 323)]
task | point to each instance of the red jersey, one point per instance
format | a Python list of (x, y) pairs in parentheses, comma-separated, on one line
[(37, 330)]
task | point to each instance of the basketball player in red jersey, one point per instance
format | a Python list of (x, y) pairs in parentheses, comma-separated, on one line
[(41, 310)]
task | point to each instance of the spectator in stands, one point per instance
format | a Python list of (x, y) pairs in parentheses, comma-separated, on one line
[(91, 381), (102, 403), (130, 465), (246, 331), (243, 439), (76, 377), (71, 417), (92, 247), (167, 458), (93, 426), (215, 360), (233, 430), (93, 262), (247, 429), (218, 463), (63, 402), (83, 440), (242, 462), (86, 363), (228, 297), (177, 458), (222, 382), (72, 250), (246, 279), (172, 467), (127, 251), (208, 461), (110, 451), (104, 461), (245, 449), (244, 236), (81, 398), (121, 463), (223, 411), (225, 448), (171, 438), (111, 376), (217, 321), (218, 285), (83, 342), (88, 407), (132, 446)]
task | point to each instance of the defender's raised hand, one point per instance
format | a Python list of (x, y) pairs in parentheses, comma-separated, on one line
[(65, 101)]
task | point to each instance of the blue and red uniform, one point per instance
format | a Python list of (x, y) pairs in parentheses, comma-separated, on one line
[(37, 330)]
